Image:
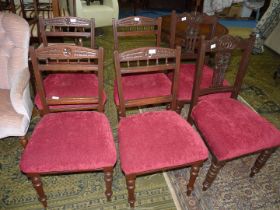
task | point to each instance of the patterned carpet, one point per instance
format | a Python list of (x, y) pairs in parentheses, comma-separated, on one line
[(233, 189), (85, 190)]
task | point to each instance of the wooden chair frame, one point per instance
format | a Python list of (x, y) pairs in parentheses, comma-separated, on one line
[(74, 27), (38, 185), (142, 58), (131, 179), (136, 26), (223, 49), (189, 40), (68, 58)]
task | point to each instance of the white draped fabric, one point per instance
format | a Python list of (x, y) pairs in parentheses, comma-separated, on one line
[(212, 6)]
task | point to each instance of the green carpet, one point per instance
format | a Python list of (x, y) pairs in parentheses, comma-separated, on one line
[(85, 190)]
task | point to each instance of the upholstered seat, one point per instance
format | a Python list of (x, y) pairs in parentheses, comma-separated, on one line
[(69, 142), (241, 130), (229, 127), (156, 140), (70, 85), (143, 86), (61, 142)]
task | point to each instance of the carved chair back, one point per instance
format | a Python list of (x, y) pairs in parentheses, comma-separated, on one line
[(136, 26), (222, 49), (147, 60), (67, 58), (189, 40), (71, 27)]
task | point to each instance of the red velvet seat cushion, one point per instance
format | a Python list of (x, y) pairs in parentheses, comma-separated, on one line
[(232, 129), (70, 85), (143, 86), (69, 141), (186, 80), (155, 140)]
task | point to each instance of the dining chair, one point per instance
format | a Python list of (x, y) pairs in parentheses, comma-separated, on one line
[(72, 79), (229, 127), (158, 140), (67, 27), (190, 40), (69, 142), (194, 23), (140, 77), (135, 26)]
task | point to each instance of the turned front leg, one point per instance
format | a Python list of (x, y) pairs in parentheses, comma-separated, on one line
[(130, 184), (260, 162), (212, 173), (38, 186), (108, 177), (193, 175)]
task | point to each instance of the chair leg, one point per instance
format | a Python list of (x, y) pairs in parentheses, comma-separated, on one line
[(260, 162), (35, 112), (23, 141), (130, 184), (193, 175), (180, 106), (108, 177), (38, 186), (212, 173)]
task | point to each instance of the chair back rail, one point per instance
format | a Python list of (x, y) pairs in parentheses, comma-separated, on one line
[(147, 60), (193, 22), (72, 27), (67, 58), (136, 26)]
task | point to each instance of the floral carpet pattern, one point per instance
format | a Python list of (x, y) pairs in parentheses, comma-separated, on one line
[(233, 188)]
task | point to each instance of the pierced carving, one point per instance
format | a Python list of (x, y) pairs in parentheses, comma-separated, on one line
[(147, 53), (60, 52), (67, 21), (222, 61), (223, 47), (67, 52), (137, 21), (225, 42), (192, 17)]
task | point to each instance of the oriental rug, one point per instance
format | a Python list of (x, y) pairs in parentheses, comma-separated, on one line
[(233, 188)]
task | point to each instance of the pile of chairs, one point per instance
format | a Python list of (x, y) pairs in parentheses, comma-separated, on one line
[(71, 137)]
